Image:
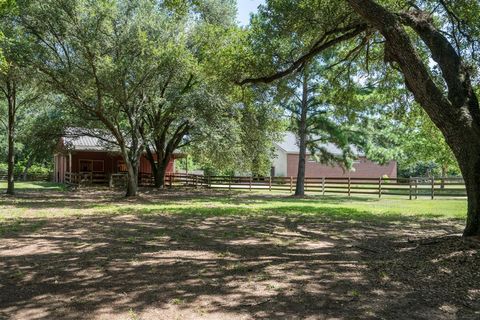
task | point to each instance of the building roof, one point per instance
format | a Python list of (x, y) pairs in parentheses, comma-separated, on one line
[(290, 144), (82, 139), (87, 143)]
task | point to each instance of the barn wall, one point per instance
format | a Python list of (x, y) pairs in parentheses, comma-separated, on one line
[(364, 168), (112, 161), (60, 168), (145, 166)]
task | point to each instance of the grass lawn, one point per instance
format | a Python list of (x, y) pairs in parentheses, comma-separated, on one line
[(34, 185), (256, 203), (186, 254)]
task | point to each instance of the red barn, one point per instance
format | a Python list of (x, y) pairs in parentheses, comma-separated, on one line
[(83, 154)]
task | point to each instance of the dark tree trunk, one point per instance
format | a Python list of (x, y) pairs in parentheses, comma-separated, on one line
[(160, 175), (132, 164), (11, 146), (456, 114), (472, 227), (132, 180), (159, 164), (302, 134), (164, 149), (469, 163)]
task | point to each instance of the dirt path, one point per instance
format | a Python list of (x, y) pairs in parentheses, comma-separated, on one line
[(168, 266)]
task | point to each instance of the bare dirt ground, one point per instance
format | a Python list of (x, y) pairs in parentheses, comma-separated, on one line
[(164, 265)]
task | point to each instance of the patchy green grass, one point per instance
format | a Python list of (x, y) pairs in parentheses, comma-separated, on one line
[(34, 185), (40, 200), (20, 226), (207, 254), (335, 207)]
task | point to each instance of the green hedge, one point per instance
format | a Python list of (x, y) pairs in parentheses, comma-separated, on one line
[(36, 172)]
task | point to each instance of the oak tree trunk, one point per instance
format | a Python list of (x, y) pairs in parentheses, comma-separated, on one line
[(132, 181), (469, 163), (159, 164), (132, 161), (455, 112), (160, 174), (472, 227)]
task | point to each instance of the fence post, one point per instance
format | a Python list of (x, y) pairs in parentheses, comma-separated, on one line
[(291, 184), (433, 188), (349, 187), (416, 189), (380, 187), (410, 188), (250, 181), (323, 186), (230, 183), (270, 183)]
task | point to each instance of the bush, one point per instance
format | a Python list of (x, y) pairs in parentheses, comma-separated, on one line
[(35, 172)]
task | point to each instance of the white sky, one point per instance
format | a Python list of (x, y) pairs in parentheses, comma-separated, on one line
[(245, 7)]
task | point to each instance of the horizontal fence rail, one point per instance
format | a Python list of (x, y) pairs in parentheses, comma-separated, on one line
[(87, 178), (410, 187), (28, 177), (413, 187)]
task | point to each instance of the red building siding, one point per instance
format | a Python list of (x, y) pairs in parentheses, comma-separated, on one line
[(364, 168), (98, 162)]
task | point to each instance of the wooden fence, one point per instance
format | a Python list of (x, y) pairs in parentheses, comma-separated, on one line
[(29, 177), (413, 188), (87, 178), (410, 187)]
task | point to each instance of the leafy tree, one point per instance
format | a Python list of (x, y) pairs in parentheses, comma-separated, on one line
[(16, 84), (422, 143), (189, 98), (6, 8), (98, 55), (40, 128), (136, 67), (410, 35), (262, 123), (315, 121)]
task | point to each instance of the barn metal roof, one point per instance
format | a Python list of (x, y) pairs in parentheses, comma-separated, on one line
[(87, 143), (81, 139), (290, 144)]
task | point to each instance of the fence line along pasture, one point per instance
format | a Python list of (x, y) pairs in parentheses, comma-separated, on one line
[(412, 188), (29, 176)]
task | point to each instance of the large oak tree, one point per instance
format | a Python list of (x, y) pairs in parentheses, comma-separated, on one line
[(416, 37)]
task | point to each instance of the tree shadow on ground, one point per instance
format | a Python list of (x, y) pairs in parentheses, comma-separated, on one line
[(91, 198), (287, 263)]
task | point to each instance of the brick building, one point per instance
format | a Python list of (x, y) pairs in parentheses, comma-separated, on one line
[(285, 163)]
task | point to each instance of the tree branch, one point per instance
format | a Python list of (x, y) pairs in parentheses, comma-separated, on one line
[(318, 47), (399, 49), (454, 72)]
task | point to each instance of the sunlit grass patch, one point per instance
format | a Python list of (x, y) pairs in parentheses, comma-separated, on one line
[(34, 185), (51, 203)]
